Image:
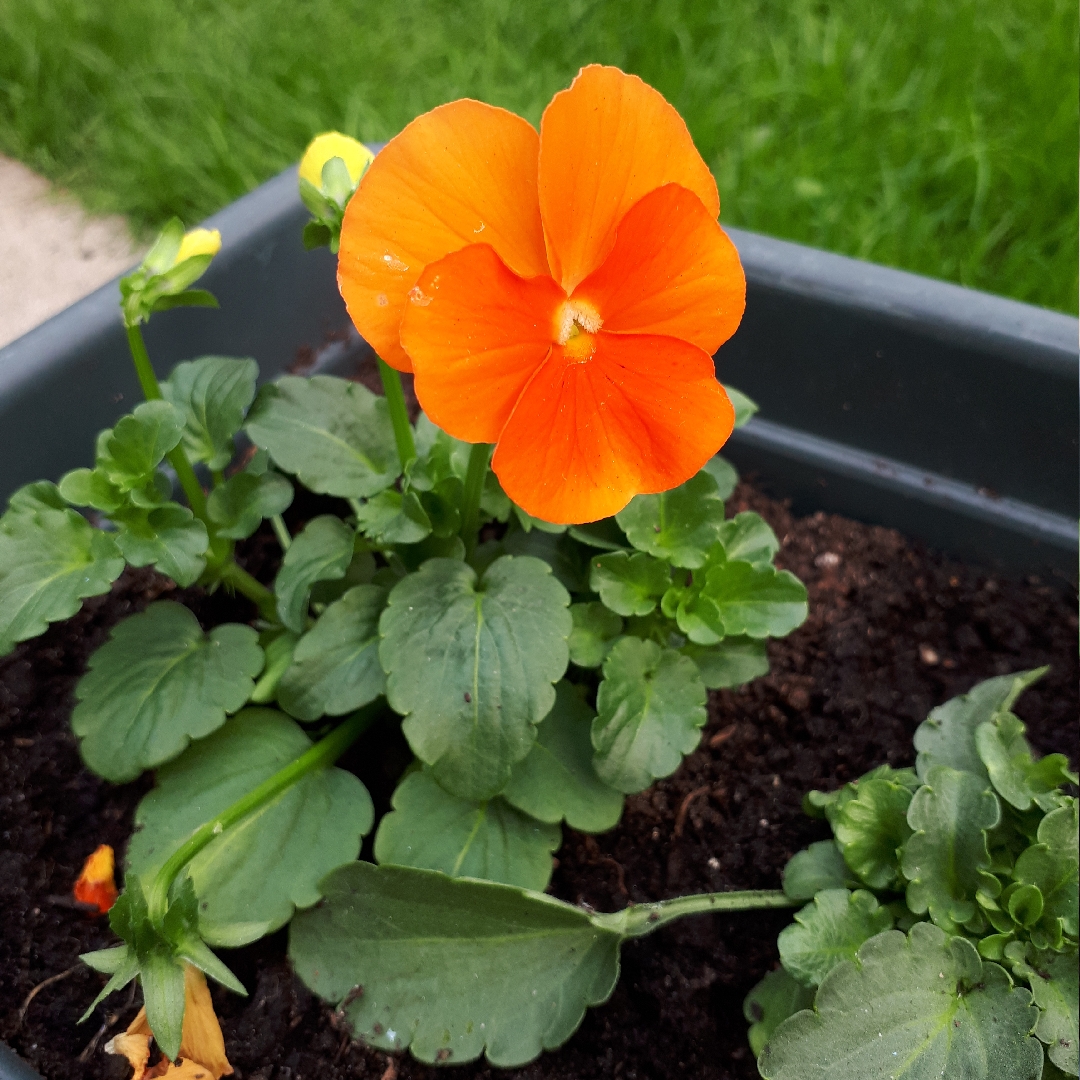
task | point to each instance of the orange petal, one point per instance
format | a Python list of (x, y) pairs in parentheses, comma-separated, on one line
[(672, 271), (605, 143), (476, 333), (96, 884), (462, 173), (642, 413), (200, 1036), (134, 1046)]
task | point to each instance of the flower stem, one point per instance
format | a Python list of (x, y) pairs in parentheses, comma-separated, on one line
[(479, 456), (399, 414), (177, 458), (281, 531), (640, 919), (232, 573), (323, 754)]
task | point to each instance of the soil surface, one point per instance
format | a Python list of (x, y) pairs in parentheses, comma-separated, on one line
[(892, 632)]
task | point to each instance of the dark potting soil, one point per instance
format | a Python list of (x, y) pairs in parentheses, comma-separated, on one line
[(892, 632)]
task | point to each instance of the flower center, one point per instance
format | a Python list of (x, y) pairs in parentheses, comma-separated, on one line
[(574, 319)]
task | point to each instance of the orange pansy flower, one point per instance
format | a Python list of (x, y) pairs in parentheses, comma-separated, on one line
[(96, 884), (559, 294)]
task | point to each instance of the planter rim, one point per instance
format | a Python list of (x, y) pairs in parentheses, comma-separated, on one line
[(940, 339), (1044, 338)]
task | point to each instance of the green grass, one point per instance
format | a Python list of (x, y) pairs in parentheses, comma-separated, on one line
[(935, 135)]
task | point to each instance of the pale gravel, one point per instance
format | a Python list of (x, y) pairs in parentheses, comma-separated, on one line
[(52, 252)]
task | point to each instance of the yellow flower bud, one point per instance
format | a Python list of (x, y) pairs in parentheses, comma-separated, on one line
[(331, 144), (199, 242)]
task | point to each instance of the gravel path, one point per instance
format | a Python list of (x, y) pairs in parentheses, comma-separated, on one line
[(51, 252)]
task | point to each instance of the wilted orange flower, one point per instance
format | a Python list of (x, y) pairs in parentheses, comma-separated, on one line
[(202, 1049), (558, 294), (96, 884)]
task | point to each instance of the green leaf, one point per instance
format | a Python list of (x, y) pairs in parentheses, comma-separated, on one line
[(678, 526), (251, 879), (333, 434), (126, 968), (820, 866), (922, 1006), (186, 298), (947, 735), (131, 452), (449, 967), (871, 829), (1053, 980), (162, 980), (744, 407), (239, 505), (315, 235), (604, 534), (158, 683), (91, 487), (431, 829), (40, 495), (629, 583), (725, 475), (772, 1001), (169, 537), (470, 665), (335, 667), (651, 707), (595, 631), (733, 662), (165, 248), (569, 561), (493, 500), (748, 536), (1051, 866), (557, 780), (528, 523), (442, 506), (50, 561), (950, 815), (322, 552), (829, 930), (212, 394), (394, 518), (107, 961), (755, 601), (1016, 776)]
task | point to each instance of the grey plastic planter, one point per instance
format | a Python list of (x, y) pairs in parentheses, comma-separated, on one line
[(947, 413), (891, 398)]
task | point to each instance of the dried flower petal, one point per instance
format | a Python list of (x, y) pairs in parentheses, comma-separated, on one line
[(202, 1048), (96, 884)]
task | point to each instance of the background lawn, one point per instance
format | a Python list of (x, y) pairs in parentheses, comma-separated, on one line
[(935, 135)]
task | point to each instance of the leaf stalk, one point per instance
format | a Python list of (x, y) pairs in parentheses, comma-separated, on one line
[(232, 573), (323, 754), (177, 458), (640, 919)]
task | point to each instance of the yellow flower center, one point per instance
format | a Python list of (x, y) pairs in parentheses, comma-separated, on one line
[(576, 320)]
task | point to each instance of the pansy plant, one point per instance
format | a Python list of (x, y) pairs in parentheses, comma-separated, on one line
[(940, 933), (536, 580)]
